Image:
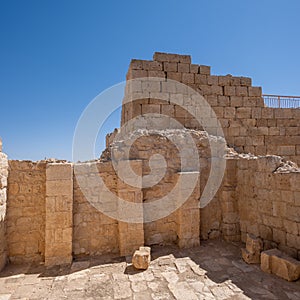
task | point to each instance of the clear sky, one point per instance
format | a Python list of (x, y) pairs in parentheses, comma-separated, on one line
[(57, 55)]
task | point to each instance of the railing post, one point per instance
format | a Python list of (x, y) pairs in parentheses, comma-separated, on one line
[(278, 101)]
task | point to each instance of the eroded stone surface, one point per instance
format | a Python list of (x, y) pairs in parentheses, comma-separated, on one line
[(275, 262), (141, 258)]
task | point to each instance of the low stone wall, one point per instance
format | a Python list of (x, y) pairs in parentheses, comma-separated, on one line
[(26, 211), (3, 188), (51, 218), (268, 202), (94, 233)]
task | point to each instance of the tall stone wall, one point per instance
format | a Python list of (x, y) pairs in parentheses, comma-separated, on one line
[(26, 211), (248, 125), (3, 204)]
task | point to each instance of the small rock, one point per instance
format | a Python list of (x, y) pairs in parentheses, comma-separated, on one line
[(141, 258)]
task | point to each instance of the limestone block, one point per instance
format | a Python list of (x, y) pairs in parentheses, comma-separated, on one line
[(236, 101), (205, 70), (141, 258), (188, 78), (201, 79), (170, 66), (241, 91), (254, 244), (250, 258), (224, 80), (245, 81), (251, 101), (150, 108), (223, 101), (243, 113), (254, 91), (174, 76), (194, 69), (161, 74), (170, 57), (133, 74), (136, 64), (229, 112), (275, 262), (152, 65), (229, 91), (184, 68)]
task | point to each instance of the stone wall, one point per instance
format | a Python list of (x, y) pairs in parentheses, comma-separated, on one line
[(268, 202), (248, 125), (3, 188), (57, 210), (26, 211), (158, 155), (220, 218), (59, 213), (94, 232)]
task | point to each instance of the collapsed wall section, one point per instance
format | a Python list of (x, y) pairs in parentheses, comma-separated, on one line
[(3, 206)]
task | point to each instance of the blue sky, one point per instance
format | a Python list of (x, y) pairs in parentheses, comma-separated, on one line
[(56, 56)]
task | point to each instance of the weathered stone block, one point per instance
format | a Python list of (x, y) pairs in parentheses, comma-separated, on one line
[(141, 258), (275, 262), (254, 244), (205, 70), (250, 258), (254, 91)]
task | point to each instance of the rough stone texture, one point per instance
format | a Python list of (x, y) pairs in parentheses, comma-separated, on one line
[(182, 225), (131, 234), (3, 196), (26, 211), (59, 214), (141, 258), (275, 262), (248, 125), (254, 246), (94, 233), (259, 194), (268, 207)]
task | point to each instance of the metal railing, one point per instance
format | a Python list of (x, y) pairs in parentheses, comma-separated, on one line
[(282, 101)]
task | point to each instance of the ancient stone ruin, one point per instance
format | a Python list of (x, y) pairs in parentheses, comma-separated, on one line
[(54, 211)]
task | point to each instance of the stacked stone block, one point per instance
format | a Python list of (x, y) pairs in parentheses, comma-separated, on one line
[(131, 232), (26, 211), (254, 246), (94, 232), (268, 190), (188, 216), (59, 214), (248, 125)]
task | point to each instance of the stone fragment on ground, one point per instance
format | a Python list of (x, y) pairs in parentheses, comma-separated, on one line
[(276, 262), (254, 246), (141, 258)]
